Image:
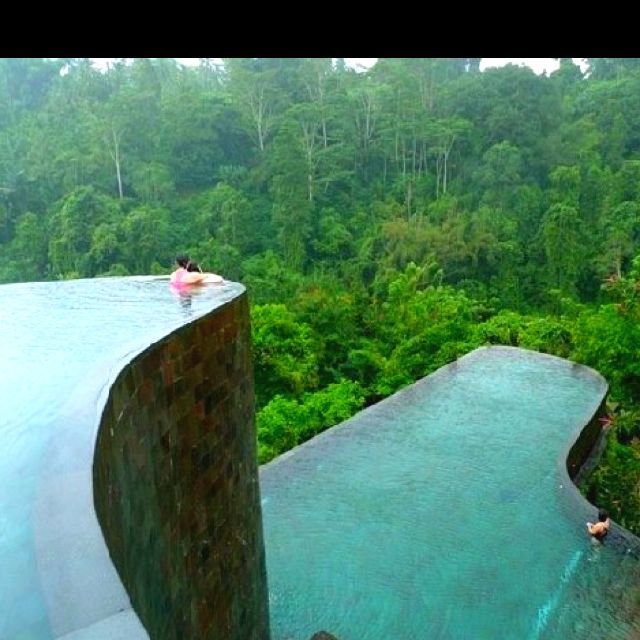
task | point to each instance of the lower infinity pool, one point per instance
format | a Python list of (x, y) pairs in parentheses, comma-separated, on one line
[(445, 512)]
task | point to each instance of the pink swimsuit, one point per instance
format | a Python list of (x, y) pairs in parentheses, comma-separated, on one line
[(177, 280)]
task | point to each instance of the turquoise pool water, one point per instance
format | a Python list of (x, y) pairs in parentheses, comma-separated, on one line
[(445, 513), (61, 344)]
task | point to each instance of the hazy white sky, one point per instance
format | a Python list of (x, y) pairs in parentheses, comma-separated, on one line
[(539, 65), (356, 63)]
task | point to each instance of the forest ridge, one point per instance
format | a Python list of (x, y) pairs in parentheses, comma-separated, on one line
[(384, 223)]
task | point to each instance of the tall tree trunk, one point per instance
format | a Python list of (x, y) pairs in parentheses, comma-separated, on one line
[(384, 173), (258, 106), (444, 176), (396, 151), (415, 155), (404, 159), (446, 151), (115, 155)]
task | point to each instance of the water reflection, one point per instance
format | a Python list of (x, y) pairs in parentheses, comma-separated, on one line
[(185, 296), (185, 303)]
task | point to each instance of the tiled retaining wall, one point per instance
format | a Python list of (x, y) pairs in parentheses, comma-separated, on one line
[(584, 445), (176, 483)]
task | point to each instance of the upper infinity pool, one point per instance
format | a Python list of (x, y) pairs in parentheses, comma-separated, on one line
[(61, 346), (445, 512)]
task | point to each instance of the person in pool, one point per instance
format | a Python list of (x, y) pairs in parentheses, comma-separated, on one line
[(188, 264), (189, 272), (600, 529)]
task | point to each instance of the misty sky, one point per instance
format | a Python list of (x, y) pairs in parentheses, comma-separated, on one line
[(539, 65)]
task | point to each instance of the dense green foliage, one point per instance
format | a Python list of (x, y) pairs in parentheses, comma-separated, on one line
[(384, 222)]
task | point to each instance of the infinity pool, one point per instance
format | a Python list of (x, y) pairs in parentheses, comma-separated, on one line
[(445, 512), (61, 345)]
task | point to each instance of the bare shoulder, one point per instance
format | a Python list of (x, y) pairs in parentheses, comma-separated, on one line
[(194, 277)]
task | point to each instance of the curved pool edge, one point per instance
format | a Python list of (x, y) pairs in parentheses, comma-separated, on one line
[(83, 591)]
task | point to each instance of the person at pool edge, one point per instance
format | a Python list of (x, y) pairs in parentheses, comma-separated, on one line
[(189, 272), (600, 529)]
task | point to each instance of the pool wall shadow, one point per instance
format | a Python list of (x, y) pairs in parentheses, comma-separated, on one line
[(580, 457), (580, 452), (176, 482)]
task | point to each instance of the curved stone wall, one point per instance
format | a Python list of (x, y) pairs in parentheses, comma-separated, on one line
[(581, 450), (176, 483)]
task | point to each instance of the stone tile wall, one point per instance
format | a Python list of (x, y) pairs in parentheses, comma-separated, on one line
[(584, 445), (176, 483)]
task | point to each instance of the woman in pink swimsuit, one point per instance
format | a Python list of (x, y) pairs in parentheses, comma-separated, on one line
[(189, 273)]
